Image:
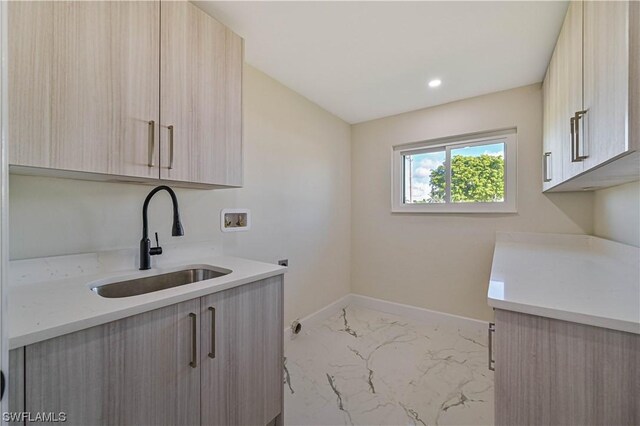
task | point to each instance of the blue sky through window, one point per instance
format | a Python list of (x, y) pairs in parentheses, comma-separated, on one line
[(493, 149), (417, 186), (417, 183)]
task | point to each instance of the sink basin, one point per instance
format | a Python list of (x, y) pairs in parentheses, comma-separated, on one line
[(153, 283)]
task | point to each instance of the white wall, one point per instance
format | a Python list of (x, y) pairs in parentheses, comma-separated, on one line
[(616, 213), (442, 262), (297, 184), (324, 203)]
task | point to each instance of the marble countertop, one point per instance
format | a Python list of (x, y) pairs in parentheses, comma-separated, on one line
[(577, 278), (41, 308)]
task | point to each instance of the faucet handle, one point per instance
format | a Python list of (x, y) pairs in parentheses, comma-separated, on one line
[(157, 249)]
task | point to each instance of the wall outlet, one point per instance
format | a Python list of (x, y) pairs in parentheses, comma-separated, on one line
[(284, 262)]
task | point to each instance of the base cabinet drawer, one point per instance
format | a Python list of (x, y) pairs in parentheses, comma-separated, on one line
[(215, 360), (552, 372)]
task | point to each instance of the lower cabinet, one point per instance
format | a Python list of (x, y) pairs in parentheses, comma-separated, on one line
[(552, 372), (241, 369), (216, 360)]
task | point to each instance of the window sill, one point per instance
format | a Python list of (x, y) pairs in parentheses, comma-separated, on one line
[(462, 208)]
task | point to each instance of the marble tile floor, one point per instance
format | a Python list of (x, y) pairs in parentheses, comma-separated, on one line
[(364, 367)]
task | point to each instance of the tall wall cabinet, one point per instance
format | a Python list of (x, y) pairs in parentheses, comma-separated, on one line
[(135, 90), (592, 98)]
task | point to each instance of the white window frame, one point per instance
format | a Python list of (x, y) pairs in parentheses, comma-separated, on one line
[(506, 136)]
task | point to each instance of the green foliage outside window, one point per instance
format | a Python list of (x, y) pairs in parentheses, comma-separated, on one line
[(473, 178)]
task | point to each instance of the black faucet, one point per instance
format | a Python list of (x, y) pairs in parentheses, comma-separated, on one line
[(146, 251)]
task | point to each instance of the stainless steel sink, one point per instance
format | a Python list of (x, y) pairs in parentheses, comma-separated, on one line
[(153, 283)]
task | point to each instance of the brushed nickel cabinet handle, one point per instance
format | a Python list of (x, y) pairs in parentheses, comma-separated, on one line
[(492, 329), (194, 341), (212, 353), (545, 166), (170, 146), (572, 121), (152, 142), (578, 116)]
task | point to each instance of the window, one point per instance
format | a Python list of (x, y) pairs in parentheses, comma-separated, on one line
[(464, 174)]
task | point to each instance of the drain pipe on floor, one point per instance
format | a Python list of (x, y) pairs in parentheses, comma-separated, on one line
[(296, 326)]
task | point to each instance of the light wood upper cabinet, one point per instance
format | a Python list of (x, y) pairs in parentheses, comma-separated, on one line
[(552, 148), (568, 95), (562, 97), (87, 90), (83, 85), (30, 70), (593, 80), (606, 80), (201, 97)]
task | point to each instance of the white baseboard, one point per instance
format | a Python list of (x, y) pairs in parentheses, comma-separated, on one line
[(414, 312), (407, 311)]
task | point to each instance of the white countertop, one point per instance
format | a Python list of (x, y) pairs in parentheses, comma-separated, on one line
[(50, 308), (577, 278)]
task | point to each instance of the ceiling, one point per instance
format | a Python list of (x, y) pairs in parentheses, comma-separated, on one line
[(366, 60)]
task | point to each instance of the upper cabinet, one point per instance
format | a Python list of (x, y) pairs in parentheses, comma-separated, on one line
[(112, 91), (200, 98), (591, 93), (606, 80), (562, 97), (83, 85)]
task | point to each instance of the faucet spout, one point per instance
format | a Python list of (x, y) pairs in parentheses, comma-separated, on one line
[(176, 230)]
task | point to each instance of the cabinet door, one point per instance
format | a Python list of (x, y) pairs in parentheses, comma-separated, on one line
[(568, 93), (83, 85), (201, 97), (606, 80), (30, 70), (129, 372), (242, 368), (552, 372), (554, 124), (562, 99)]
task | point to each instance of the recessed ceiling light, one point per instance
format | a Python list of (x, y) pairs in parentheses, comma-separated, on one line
[(435, 83)]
